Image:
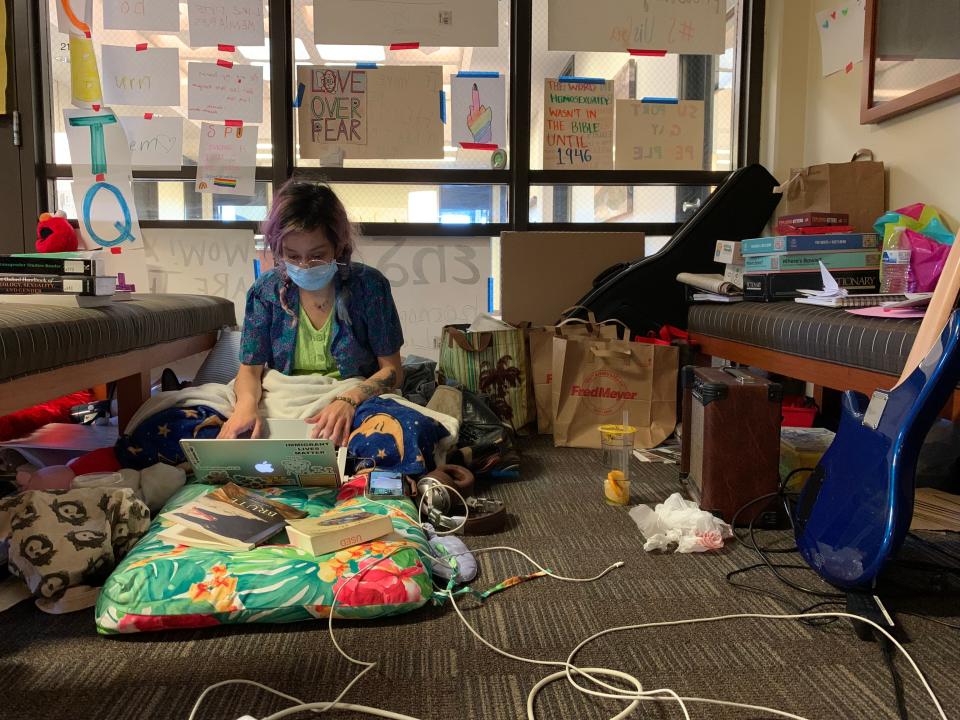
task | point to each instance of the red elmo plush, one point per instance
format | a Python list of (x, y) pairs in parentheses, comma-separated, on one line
[(55, 234)]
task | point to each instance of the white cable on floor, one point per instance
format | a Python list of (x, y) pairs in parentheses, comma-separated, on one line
[(635, 697)]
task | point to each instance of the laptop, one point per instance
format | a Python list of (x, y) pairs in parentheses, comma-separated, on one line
[(285, 456)]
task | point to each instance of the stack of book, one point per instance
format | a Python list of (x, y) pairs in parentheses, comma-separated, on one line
[(229, 518), (779, 266), (69, 279)]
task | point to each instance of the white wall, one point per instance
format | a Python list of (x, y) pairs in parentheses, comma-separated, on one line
[(809, 119)]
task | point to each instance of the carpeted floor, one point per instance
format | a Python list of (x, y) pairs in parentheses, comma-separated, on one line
[(429, 666)]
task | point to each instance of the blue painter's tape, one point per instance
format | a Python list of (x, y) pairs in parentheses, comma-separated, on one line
[(582, 80), (660, 100), (443, 107), (256, 268), (366, 66), (477, 74), (300, 88), (489, 294)]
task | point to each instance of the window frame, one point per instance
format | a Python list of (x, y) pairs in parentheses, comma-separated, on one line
[(38, 186)]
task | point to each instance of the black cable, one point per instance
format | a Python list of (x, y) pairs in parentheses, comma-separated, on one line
[(887, 647), (930, 619)]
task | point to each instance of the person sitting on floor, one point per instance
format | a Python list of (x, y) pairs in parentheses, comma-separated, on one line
[(316, 312)]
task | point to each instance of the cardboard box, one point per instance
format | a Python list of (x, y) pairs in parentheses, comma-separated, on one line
[(728, 251), (734, 274), (544, 273)]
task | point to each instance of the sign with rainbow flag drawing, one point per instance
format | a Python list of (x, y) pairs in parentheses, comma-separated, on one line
[(478, 109), (228, 159)]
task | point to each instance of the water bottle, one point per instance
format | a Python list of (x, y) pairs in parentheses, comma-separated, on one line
[(895, 264)]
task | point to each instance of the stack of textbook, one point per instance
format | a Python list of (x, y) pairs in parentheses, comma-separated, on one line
[(68, 279), (777, 267)]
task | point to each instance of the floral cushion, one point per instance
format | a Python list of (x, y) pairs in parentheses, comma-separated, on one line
[(160, 586)]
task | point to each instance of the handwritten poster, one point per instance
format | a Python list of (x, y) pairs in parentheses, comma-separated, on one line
[(841, 36), (102, 188), (389, 112), (140, 77), (107, 213), (84, 76), (230, 22), (150, 15), (74, 16), (155, 144), (97, 142), (657, 136), (228, 159), (693, 28), (443, 23), (215, 92), (201, 262), (577, 125), (479, 110), (433, 284)]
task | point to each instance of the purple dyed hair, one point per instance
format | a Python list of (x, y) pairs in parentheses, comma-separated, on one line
[(306, 207)]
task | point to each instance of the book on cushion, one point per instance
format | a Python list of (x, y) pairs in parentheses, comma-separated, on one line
[(228, 518)]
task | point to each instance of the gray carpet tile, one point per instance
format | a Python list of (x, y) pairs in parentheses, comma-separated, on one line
[(429, 666)]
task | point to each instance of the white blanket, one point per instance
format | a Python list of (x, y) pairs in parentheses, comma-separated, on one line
[(284, 396)]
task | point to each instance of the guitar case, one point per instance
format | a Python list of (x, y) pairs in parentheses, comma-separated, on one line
[(645, 294)]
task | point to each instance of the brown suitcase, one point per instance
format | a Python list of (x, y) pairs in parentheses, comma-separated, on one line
[(730, 445)]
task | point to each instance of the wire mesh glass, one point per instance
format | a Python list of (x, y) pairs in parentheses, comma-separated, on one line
[(710, 78), (451, 59), (615, 203), (448, 204), (177, 200), (57, 81)]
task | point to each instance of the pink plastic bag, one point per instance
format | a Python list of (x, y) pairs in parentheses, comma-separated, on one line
[(927, 258)]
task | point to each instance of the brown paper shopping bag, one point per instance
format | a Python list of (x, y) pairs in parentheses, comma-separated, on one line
[(857, 188), (595, 381), (541, 357)]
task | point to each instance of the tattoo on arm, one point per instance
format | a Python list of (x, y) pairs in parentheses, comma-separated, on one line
[(378, 386)]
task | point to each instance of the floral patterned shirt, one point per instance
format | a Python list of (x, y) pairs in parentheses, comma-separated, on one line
[(367, 327)]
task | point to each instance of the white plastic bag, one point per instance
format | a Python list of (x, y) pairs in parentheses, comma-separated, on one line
[(680, 521)]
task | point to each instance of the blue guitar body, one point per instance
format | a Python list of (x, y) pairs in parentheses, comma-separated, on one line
[(855, 508)]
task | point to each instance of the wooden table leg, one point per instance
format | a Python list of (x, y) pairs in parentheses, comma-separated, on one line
[(132, 392)]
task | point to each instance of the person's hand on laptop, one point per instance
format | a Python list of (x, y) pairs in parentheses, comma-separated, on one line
[(333, 422), (244, 420)]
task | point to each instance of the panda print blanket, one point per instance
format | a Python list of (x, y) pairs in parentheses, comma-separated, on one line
[(68, 538)]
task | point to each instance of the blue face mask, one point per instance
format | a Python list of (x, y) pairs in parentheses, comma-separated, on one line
[(313, 278)]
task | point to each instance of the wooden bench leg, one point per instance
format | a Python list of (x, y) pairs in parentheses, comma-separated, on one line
[(132, 392)]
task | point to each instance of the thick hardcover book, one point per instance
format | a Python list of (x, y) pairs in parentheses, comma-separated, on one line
[(767, 287), (788, 262), (39, 265), (25, 284), (814, 218), (810, 243), (334, 531)]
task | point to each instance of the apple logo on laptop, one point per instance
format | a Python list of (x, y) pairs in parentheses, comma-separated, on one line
[(265, 466)]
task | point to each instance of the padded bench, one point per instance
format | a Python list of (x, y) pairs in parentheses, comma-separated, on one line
[(828, 347), (48, 351)]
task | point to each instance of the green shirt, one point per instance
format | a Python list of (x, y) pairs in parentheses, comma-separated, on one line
[(312, 355)]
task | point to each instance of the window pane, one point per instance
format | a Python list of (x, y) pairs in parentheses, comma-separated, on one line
[(454, 204), (176, 200), (58, 80), (615, 203), (453, 60), (692, 77)]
